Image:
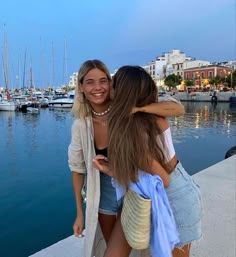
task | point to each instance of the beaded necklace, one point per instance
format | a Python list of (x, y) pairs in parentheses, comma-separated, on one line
[(101, 113)]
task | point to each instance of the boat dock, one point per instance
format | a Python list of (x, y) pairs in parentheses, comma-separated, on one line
[(218, 186)]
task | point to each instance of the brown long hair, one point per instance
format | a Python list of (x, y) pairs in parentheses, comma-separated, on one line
[(133, 137)]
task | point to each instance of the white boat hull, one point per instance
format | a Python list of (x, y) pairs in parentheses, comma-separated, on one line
[(61, 103), (33, 110), (8, 106)]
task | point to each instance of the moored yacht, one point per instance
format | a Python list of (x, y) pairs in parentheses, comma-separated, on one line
[(61, 102), (7, 105)]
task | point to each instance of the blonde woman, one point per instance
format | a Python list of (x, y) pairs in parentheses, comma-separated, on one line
[(91, 108)]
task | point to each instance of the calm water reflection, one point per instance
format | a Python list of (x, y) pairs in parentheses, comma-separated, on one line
[(36, 197), (216, 118), (204, 134)]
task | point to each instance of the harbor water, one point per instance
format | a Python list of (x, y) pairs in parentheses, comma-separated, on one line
[(36, 198)]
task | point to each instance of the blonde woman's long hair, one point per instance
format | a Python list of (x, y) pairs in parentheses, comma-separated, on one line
[(81, 107), (133, 137)]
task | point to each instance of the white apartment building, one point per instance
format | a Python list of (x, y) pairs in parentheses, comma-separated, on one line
[(231, 65), (73, 80), (166, 64), (195, 64), (173, 62)]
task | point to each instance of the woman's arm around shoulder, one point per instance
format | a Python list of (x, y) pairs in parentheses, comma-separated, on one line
[(168, 107)]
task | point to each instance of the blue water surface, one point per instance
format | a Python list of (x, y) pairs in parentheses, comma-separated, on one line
[(36, 197)]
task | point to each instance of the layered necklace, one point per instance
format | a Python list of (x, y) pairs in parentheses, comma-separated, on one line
[(100, 121), (100, 118)]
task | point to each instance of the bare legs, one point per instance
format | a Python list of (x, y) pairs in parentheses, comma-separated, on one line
[(182, 252), (117, 245), (107, 223)]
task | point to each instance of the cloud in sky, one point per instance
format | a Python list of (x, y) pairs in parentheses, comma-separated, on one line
[(117, 32)]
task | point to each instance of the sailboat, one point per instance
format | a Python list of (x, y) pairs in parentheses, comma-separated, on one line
[(33, 108), (6, 104), (61, 100)]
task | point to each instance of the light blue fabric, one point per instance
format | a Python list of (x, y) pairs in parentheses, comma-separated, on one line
[(164, 235)]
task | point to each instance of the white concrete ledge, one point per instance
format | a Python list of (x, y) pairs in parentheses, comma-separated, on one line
[(218, 186)]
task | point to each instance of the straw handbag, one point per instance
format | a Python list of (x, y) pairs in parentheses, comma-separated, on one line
[(136, 220)]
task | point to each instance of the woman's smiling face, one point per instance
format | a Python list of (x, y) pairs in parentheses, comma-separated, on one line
[(96, 87)]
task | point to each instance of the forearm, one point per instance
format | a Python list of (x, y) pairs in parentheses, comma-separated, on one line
[(78, 182), (164, 109)]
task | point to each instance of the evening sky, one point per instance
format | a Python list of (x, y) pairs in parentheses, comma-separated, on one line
[(55, 37)]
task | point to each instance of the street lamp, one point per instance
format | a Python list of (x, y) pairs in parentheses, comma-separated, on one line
[(231, 78), (198, 78), (225, 74)]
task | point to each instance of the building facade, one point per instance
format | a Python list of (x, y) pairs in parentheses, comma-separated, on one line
[(167, 64), (203, 74), (73, 80)]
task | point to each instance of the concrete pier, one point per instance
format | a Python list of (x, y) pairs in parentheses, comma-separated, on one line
[(203, 96), (218, 186)]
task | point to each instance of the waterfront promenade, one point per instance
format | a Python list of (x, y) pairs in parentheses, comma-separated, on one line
[(204, 96), (218, 186)]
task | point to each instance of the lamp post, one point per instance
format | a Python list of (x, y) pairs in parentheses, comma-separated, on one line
[(198, 79), (231, 79)]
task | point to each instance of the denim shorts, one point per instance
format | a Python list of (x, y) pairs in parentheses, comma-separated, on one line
[(108, 200), (185, 199)]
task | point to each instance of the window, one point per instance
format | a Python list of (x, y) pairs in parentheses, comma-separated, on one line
[(210, 74)]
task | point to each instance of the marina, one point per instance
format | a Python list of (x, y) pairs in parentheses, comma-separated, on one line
[(37, 200), (45, 48), (32, 101), (38, 99)]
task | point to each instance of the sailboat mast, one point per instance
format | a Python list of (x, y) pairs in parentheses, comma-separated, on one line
[(4, 70), (23, 84), (18, 74), (53, 68), (65, 73), (5, 62), (31, 76)]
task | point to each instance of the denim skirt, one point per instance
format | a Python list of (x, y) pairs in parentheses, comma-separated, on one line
[(185, 199), (108, 200)]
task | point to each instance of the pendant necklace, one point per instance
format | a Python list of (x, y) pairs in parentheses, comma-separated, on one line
[(100, 122)]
